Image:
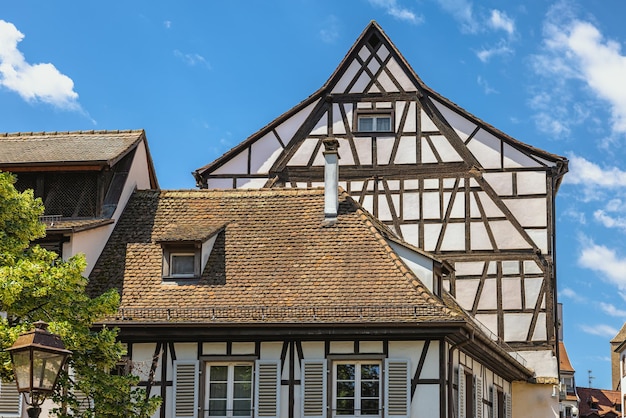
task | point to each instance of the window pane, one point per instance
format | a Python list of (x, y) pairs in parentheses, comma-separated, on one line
[(369, 407), (182, 264), (243, 390), (217, 407), (345, 372), (219, 373), (345, 407), (243, 373), (370, 371), (345, 389), (383, 124), (366, 124), (217, 390), (369, 389), (242, 408)]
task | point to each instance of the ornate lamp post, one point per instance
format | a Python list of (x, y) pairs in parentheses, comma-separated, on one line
[(38, 357)]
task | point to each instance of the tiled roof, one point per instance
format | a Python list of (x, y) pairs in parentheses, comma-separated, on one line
[(564, 363), (273, 260), (66, 147), (607, 400)]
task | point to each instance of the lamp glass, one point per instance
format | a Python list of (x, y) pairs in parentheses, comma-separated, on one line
[(46, 368), (21, 367)]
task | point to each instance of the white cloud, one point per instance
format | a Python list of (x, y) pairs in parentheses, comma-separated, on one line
[(499, 20), (610, 221), (576, 51), (33, 82), (601, 330), (587, 173), (609, 266), (612, 310), (330, 32), (571, 294), (400, 13), (167, 24), (485, 85), (462, 11), (486, 53), (192, 59)]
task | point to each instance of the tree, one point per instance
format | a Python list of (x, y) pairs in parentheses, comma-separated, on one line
[(35, 284)]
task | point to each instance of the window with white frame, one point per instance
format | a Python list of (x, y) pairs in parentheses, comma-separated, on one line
[(182, 264), (374, 122), (228, 389), (181, 261), (357, 388)]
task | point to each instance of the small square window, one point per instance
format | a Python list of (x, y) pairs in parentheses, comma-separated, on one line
[(182, 264), (374, 123)]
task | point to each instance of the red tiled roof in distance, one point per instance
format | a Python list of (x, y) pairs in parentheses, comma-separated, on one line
[(564, 364), (606, 401)]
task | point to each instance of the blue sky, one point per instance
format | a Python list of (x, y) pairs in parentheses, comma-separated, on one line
[(201, 76)]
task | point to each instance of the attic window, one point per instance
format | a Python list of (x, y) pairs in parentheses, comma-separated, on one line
[(377, 122), (373, 41), (181, 261)]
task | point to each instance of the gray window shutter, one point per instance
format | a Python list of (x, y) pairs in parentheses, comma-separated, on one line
[(313, 395), (492, 405), (10, 400), (267, 393), (508, 412), (461, 390), (397, 388), (478, 401), (185, 398)]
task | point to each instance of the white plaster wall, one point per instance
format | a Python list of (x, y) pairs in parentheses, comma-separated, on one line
[(543, 362), (420, 265)]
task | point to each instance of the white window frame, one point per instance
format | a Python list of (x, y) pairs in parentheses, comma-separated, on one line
[(230, 385), (375, 117), (357, 393), (182, 254)]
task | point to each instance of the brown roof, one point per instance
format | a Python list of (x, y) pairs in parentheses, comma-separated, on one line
[(606, 400), (564, 363), (66, 147), (273, 256)]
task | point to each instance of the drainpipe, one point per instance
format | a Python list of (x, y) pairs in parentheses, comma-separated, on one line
[(451, 368), (331, 179)]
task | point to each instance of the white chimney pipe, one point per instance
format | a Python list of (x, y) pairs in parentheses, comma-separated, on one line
[(331, 179)]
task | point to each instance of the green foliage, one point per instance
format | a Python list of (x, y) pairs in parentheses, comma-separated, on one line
[(36, 285)]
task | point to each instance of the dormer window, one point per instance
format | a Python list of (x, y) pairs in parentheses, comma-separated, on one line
[(181, 261), (374, 122), (182, 264)]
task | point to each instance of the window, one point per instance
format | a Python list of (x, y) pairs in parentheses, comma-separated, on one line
[(228, 390), (181, 261), (182, 264), (357, 388), (374, 123)]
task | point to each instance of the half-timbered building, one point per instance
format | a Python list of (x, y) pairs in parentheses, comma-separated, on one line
[(84, 179), (440, 178), (242, 303)]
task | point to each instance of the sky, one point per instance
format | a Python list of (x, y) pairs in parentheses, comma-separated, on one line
[(201, 76)]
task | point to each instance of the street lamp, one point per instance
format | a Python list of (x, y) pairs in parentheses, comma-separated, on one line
[(38, 357)]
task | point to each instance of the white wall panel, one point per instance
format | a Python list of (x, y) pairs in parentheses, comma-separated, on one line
[(466, 292), (531, 267), (511, 293), (400, 75), (540, 238), (313, 350), (510, 267), (186, 351), (490, 321), (427, 123), (384, 147), (321, 128), (364, 150), (338, 125), (471, 268), (345, 153), (488, 297), (454, 238), (428, 156), (347, 77), (341, 347), (431, 205), (371, 347), (516, 326), (489, 207), (364, 53), (445, 150), (411, 209), (532, 287), (431, 234), (460, 124), (213, 349), (219, 183), (373, 66), (251, 183), (410, 233), (458, 206), (303, 154), (398, 114), (486, 149), (243, 348), (407, 150), (236, 165), (540, 328), (479, 238), (410, 125), (382, 52), (506, 236), (502, 183), (265, 151), (529, 212), (361, 83), (515, 158), (531, 182)]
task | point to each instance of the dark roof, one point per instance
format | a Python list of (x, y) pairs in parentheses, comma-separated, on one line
[(273, 251), (606, 401), (27, 148)]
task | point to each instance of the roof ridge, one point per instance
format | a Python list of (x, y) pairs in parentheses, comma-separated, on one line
[(79, 132)]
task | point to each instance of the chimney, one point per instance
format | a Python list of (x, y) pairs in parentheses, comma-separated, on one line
[(331, 179)]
